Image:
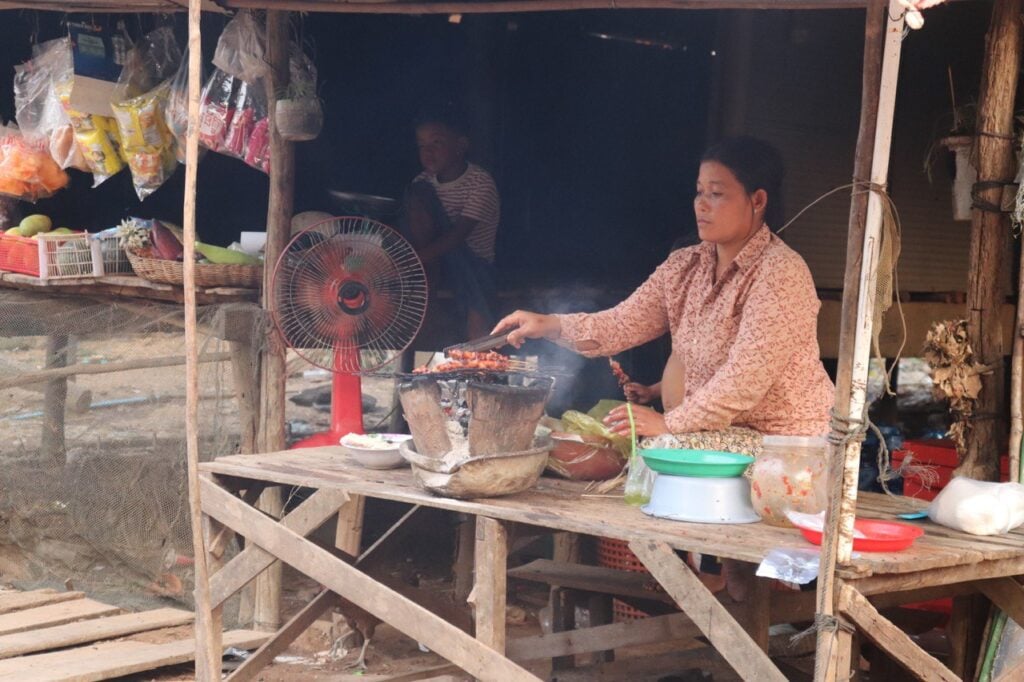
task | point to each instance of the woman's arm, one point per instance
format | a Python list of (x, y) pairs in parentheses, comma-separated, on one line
[(780, 313)]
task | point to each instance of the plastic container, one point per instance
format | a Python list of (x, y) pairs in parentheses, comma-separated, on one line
[(701, 499), (879, 536), (790, 473), (51, 256), (696, 463)]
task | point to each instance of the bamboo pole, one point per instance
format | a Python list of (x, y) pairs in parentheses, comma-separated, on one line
[(833, 648), (1016, 382), (990, 235), (273, 369), (43, 375), (207, 623)]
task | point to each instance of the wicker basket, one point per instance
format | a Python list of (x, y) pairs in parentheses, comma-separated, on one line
[(207, 275)]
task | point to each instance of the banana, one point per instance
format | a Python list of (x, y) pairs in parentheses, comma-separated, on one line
[(221, 256)]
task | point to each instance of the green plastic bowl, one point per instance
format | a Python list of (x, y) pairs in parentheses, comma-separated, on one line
[(697, 463)]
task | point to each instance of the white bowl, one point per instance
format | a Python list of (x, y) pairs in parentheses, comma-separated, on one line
[(382, 456), (701, 500)]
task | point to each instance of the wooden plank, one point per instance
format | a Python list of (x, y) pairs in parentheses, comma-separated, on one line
[(891, 639), (277, 644), (1007, 594), (348, 536), (674, 626), (351, 584), (54, 614), (490, 560), (654, 667), (899, 582), (18, 601), (112, 659), (70, 634), (717, 624), (304, 519)]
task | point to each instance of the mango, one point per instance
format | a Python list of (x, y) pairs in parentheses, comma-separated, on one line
[(34, 224), (221, 256), (63, 230), (15, 232)]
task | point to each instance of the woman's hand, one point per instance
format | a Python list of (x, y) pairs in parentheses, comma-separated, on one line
[(648, 422), (640, 394), (524, 325)]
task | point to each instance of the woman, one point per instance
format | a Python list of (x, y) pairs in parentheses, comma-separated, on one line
[(741, 308)]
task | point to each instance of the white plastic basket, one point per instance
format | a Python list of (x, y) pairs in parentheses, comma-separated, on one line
[(65, 256), (112, 255)]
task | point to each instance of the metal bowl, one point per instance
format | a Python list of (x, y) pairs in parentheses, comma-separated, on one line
[(701, 500)]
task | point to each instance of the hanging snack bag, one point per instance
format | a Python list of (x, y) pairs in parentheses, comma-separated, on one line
[(142, 90), (96, 137), (27, 171), (145, 140), (216, 110)]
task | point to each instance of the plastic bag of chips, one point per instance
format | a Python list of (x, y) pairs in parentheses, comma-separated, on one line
[(145, 140), (27, 171)]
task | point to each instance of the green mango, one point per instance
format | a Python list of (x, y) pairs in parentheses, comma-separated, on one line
[(34, 224)]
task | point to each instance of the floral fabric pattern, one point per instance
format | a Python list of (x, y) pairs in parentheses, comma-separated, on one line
[(747, 342)]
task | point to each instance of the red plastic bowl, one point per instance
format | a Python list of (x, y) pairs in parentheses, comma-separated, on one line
[(880, 536)]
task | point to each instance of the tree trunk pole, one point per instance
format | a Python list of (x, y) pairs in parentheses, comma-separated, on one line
[(273, 372), (990, 236), (832, 646)]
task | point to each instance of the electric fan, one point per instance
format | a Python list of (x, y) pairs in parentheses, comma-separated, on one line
[(349, 296)]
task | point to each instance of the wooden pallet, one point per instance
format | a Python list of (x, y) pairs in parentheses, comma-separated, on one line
[(47, 635)]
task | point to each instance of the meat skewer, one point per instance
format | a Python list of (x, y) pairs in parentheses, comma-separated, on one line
[(462, 361), (620, 375)]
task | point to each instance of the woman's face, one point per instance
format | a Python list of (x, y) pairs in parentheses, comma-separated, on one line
[(725, 212)]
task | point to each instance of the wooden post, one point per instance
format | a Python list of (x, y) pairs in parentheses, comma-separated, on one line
[(489, 585), (208, 620), (55, 397), (874, 25), (273, 372), (990, 235)]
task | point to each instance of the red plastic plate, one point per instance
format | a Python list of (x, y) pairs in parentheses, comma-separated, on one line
[(880, 536)]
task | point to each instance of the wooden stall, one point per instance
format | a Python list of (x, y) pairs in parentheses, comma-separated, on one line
[(852, 588)]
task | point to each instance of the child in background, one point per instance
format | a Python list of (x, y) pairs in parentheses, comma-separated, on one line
[(451, 217)]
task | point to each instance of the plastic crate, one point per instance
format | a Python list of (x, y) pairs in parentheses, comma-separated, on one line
[(52, 256), (940, 454), (112, 255), (617, 554)]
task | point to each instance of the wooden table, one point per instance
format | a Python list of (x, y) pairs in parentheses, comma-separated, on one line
[(944, 562)]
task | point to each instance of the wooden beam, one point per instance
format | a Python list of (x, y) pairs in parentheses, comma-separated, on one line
[(490, 560), (253, 560), (990, 235), (351, 584), (891, 639), (19, 601), (54, 614), (717, 624), (1007, 594), (514, 6), (208, 624), (277, 644), (273, 372), (870, 164), (44, 375), (348, 536)]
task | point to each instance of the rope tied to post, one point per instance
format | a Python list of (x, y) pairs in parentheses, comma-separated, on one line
[(823, 622)]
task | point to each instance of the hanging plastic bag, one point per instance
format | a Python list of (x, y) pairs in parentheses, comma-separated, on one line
[(216, 110), (176, 108), (241, 49), (38, 107), (96, 138), (27, 171), (146, 141), (152, 61)]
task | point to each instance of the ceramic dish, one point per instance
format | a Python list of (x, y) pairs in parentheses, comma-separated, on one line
[(377, 450)]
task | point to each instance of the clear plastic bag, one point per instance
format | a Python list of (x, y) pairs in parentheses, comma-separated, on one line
[(152, 61), (979, 507), (640, 479), (798, 565), (146, 141), (216, 110), (27, 171), (241, 48), (176, 108), (233, 120), (38, 107)]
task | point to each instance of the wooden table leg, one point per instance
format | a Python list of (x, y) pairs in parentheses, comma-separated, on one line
[(713, 619), (55, 397), (563, 619), (463, 566), (756, 605), (349, 534), (490, 582), (349, 583)]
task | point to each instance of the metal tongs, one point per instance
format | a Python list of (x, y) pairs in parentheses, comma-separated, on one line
[(480, 345)]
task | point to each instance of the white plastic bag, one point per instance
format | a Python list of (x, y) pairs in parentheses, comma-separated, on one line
[(979, 507), (241, 48)]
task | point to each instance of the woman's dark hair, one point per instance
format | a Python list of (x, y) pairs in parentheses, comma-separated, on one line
[(757, 165)]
